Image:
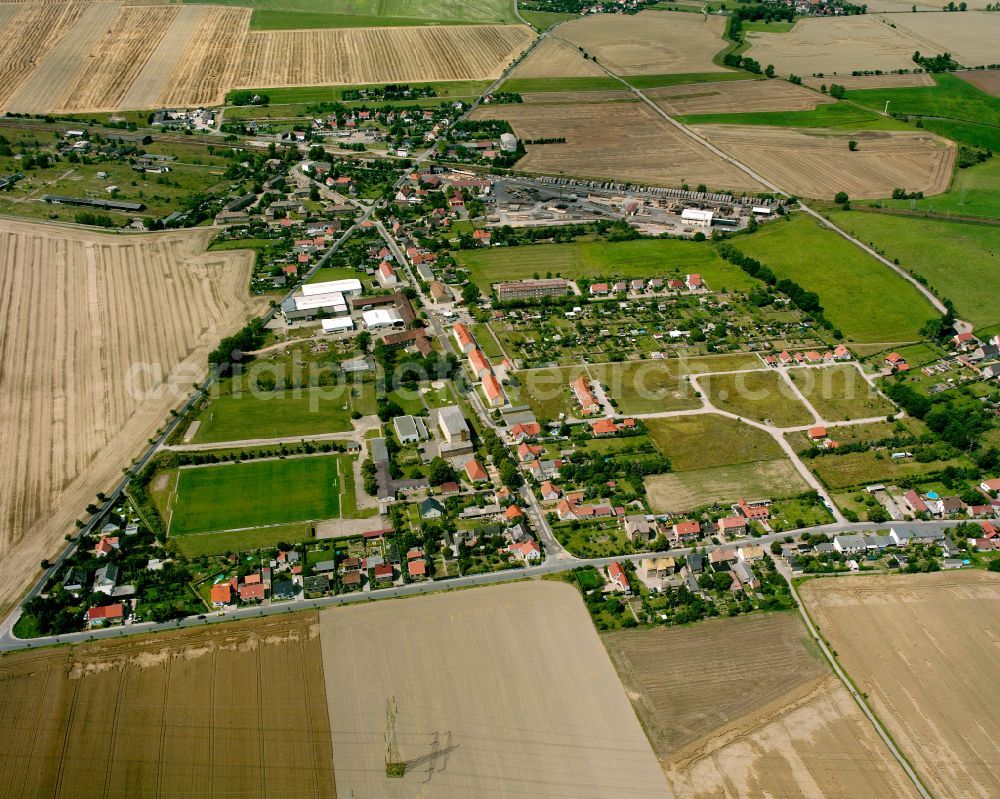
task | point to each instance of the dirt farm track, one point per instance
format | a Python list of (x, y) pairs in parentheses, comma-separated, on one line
[(227, 711), (923, 648), (76, 402)]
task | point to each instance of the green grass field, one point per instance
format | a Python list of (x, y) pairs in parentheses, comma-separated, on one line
[(974, 192), (593, 259), (866, 300), (255, 494), (195, 546), (865, 468), (827, 115), (958, 259), (763, 26), (709, 440), (281, 414), (758, 396), (952, 107), (290, 14), (839, 393), (543, 20)]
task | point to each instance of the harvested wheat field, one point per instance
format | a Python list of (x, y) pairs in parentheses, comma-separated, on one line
[(972, 38), (229, 710), (206, 68), (835, 44), (889, 80), (650, 42), (985, 80), (615, 140), (924, 650), (49, 83), (817, 163), (118, 58), (764, 717), (376, 55), (577, 98), (556, 58), (735, 96), (500, 691), (83, 309), (151, 82), (28, 37)]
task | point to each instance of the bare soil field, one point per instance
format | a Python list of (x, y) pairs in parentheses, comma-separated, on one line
[(619, 140), (971, 37), (835, 44), (57, 70), (375, 55), (577, 98), (33, 32), (99, 328), (501, 691), (924, 650), (118, 58), (650, 42), (556, 58), (230, 710), (206, 69), (736, 96), (785, 727), (151, 82), (680, 492), (887, 81), (986, 80), (816, 163)]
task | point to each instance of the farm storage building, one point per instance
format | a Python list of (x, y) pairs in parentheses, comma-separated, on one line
[(338, 325), (697, 217)]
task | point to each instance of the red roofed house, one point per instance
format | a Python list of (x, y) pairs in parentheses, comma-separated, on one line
[(528, 452), (816, 433), (222, 594), (813, 357), (384, 573), (550, 491), (525, 550), (990, 531), (106, 546), (841, 353), (756, 511), (476, 471), (513, 513), (523, 430), (386, 274), (494, 391), (895, 360), (686, 531), (479, 364), (464, 338), (693, 282), (599, 288), (417, 568), (917, 505), (618, 578), (732, 525), (989, 486), (253, 592), (584, 396), (605, 427), (105, 614)]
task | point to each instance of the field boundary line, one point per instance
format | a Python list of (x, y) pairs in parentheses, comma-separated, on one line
[(857, 696)]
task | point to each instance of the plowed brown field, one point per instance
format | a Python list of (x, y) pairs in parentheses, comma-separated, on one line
[(650, 42), (986, 80), (614, 140), (923, 648), (118, 58), (817, 163), (206, 68), (230, 710), (972, 38), (86, 314), (375, 55), (887, 81), (745, 707), (735, 96)]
